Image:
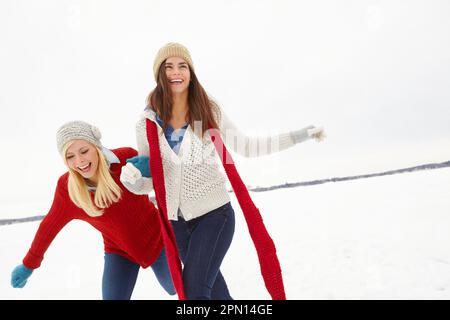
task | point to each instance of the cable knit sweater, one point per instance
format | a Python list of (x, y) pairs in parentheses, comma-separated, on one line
[(195, 183), (130, 227), (265, 247)]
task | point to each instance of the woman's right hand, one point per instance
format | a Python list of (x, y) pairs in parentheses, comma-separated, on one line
[(20, 275), (142, 164), (130, 174)]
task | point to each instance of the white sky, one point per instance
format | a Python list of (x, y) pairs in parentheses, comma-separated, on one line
[(375, 74)]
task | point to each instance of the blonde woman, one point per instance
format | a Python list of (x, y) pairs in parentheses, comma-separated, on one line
[(91, 191)]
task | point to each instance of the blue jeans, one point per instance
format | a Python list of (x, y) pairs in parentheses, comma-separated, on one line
[(120, 274), (203, 243)]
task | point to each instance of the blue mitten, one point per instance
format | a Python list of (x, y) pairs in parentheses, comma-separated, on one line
[(20, 275), (142, 164)]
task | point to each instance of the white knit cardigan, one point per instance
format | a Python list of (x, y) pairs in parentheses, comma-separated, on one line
[(194, 179)]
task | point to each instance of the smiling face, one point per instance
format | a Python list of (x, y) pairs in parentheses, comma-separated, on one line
[(178, 74), (82, 157)]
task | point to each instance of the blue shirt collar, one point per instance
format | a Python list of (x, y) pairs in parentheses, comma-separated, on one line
[(169, 127)]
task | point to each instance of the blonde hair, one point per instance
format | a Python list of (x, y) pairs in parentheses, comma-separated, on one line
[(106, 193)]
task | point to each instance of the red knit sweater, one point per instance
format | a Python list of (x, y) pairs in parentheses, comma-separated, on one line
[(129, 227)]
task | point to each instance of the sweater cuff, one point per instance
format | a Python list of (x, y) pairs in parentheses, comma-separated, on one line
[(32, 261), (142, 186)]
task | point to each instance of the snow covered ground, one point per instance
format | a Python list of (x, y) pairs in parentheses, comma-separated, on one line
[(377, 238)]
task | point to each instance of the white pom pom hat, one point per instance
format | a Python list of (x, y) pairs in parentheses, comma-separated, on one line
[(77, 130)]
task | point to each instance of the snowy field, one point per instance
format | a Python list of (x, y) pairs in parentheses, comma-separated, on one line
[(377, 238)]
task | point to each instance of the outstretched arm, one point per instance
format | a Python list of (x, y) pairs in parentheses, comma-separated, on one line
[(259, 146), (54, 221)]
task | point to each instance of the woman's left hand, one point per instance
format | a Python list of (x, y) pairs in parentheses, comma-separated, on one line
[(309, 132), (317, 133)]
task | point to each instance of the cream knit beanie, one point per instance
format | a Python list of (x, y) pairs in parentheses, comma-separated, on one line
[(171, 49), (77, 130)]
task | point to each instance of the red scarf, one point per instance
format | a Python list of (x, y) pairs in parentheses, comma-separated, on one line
[(265, 247)]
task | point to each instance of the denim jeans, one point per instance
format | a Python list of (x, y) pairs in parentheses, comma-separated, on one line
[(120, 274), (203, 243)]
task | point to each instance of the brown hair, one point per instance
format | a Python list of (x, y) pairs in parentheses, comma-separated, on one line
[(201, 106)]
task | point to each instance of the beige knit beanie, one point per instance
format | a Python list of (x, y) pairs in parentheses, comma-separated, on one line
[(77, 130), (171, 49)]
